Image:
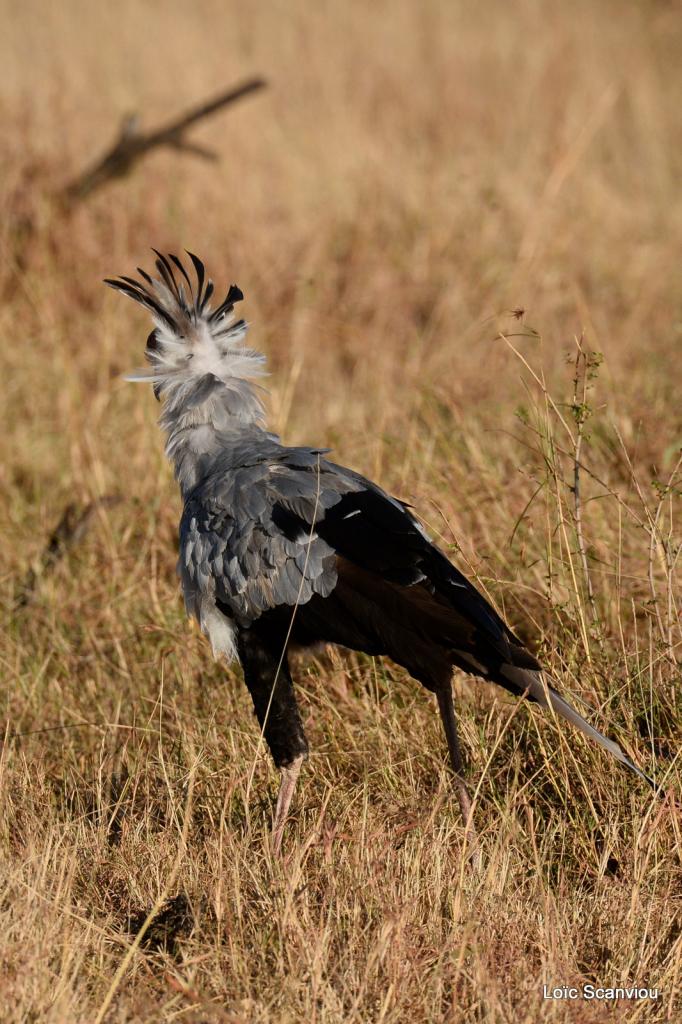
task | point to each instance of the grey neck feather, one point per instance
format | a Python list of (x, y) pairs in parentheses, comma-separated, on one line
[(201, 418)]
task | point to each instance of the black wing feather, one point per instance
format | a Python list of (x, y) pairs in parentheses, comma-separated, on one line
[(378, 534)]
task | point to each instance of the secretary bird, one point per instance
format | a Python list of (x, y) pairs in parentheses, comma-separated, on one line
[(280, 546)]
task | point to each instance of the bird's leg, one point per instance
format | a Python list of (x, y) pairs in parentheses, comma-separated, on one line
[(447, 714), (267, 676), (286, 791)]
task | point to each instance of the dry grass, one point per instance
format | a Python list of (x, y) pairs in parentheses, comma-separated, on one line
[(413, 172)]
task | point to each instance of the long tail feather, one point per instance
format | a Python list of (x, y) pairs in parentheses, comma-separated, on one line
[(529, 682)]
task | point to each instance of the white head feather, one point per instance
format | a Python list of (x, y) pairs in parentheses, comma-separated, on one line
[(190, 340), (199, 364)]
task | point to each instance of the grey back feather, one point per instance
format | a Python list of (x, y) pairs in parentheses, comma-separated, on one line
[(232, 542)]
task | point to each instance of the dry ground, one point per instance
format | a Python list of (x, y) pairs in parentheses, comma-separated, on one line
[(414, 174)]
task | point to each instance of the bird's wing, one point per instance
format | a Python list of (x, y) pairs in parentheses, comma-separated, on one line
[(281, 530), (378, 535), (249, 539)]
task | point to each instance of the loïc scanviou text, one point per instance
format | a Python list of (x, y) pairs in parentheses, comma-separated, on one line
[(589, 991)]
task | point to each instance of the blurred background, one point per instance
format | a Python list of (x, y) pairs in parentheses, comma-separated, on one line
[(425, 208), (412, 171)]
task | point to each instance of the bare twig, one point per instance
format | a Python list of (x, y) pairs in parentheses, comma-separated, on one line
[(581, 412), (70, 529), (132, 144)]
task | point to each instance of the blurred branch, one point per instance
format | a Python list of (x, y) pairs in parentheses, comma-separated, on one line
[(71, 528), (132, 144)]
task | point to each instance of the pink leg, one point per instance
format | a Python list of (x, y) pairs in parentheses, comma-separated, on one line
[(286, 791)]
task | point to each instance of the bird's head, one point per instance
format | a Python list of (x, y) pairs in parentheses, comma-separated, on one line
[(193, 349)]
